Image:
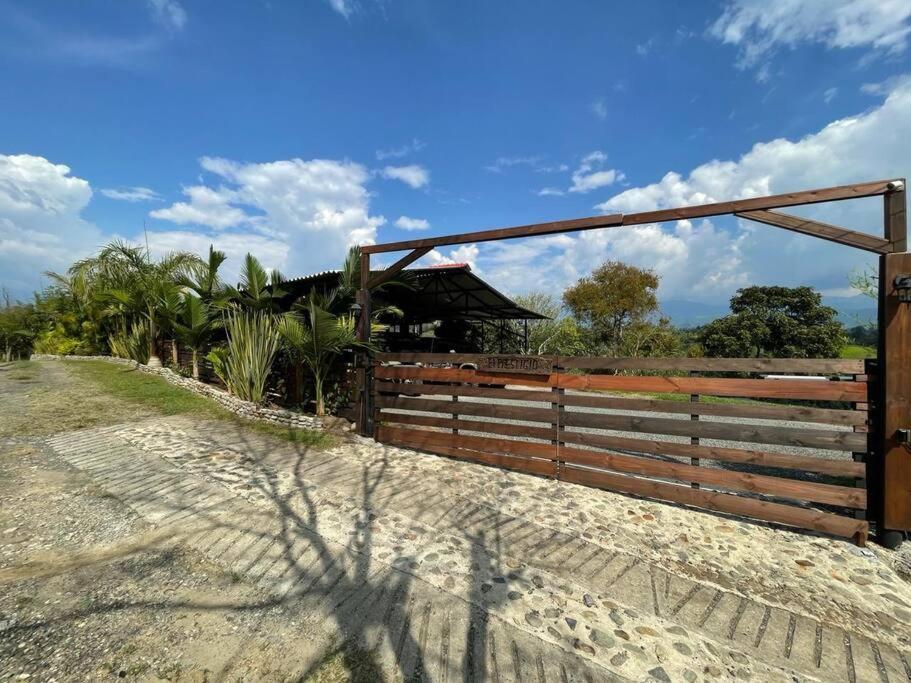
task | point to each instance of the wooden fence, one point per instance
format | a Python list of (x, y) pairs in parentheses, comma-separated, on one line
[(565, 418)]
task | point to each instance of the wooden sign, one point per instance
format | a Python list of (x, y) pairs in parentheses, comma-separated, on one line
[(532, 365)]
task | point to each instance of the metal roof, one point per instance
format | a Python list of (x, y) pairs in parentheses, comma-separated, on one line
[(441, 292)]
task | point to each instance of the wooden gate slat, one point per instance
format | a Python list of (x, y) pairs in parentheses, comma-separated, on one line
[(418, 439), (816, 520), (465, 408), (754, 483), (838, 440), (504, 428), (796, 413), (830, 466), (630, 464), (798, 389)]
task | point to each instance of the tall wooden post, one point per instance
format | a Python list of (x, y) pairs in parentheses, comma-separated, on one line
[(363, 334), (891, 472)]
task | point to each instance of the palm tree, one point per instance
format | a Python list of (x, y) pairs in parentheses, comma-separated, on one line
[(129, 275), (195, 325), (258, 289), (205, 280), (316, 337)]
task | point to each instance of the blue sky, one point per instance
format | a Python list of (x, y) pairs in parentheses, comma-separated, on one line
[(292, 129)]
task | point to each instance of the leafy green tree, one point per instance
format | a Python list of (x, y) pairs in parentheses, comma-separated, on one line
[(775, 322), (608, 301), (195, 325), (19, 325), (558, 334), (647, 338)]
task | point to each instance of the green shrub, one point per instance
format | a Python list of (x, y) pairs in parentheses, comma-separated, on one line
[(58, 342), (244, 364), (134, 344)]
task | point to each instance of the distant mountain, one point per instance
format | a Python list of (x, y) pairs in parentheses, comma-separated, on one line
[(852, 310)]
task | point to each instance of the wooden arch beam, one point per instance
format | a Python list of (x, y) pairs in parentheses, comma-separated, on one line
[(832, 233), (826, 194), (393, 270)]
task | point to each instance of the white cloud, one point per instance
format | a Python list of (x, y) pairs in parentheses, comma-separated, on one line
[(466, 253), (760, 27), (599, 109), (274, 254), (168, 13), (829, 94), (643, 49), (536, 163), (406, 223), (208, 207), (550, 192), (708, 259), (41, 227), (343, 7), (132, 194), (412, 147), (315, 208), (412, 175), (591, 175)]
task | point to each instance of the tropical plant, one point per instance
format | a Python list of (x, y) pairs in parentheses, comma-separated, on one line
[(132, 344), (195, 325), (136, 284), (205, 281), (316, 337), (253, 342), (258, 289)]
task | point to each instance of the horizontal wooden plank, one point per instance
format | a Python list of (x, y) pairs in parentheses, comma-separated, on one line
[(419, 388), (819, 366), (485, 426), (838, 440), (477, 443), (806, 463), (460, 376), (780, 513), (422, 440), (781, 487), (798, 389), (812, 366), (631, 464), (745, 410), (493, 410)]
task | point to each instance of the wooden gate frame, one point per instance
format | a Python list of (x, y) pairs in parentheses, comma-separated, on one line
[(889, 458)]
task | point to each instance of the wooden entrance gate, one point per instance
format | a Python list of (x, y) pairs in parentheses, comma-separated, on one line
[(788, 461), (887, 455)]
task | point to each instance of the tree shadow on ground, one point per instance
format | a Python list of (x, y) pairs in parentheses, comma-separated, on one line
[(373, 601)]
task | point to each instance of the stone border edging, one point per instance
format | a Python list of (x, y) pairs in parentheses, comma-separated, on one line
[(239, 407)]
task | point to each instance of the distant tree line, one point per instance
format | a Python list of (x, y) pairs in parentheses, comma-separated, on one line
[(615, 312)]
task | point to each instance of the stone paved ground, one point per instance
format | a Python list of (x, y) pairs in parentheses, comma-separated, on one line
[(449, 570)]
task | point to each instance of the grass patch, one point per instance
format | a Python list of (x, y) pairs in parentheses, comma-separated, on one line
[(22, 370), (349, 663), (156, 394), (858, 351), (152, 392)]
